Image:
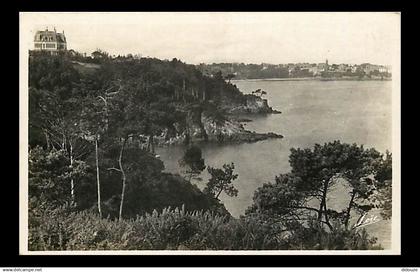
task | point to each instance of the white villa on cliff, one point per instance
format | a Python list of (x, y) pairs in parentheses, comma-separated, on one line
[(51, 41)]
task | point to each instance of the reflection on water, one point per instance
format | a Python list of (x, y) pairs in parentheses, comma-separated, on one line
[(312, 112)]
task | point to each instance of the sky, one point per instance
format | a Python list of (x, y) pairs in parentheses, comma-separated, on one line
[(268, 37)]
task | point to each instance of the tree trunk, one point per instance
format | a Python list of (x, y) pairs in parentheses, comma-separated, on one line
[(322, 206), (123, 179), (47, 139), (97, 177), (106, 116), (327, 221), (72, 180), (187, 139), (219, 193), (63, 144), (183, 91), (347, 219), (150, 144)]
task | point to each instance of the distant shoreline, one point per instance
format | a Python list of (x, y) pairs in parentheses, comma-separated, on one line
[(312, 79)]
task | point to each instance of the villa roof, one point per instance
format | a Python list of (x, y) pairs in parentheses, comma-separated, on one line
[(52, 36)]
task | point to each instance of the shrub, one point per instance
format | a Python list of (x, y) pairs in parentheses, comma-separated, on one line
[(178, 229)]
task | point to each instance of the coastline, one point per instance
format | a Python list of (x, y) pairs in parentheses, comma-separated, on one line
[(311, 79)]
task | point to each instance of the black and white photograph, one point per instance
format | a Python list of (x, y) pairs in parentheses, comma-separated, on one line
[(270, 133)]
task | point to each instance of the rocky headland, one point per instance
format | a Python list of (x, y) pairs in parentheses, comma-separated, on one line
[(202, 125), (253, 105)]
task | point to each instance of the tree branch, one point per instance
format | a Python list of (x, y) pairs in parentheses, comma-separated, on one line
[(304, 207), (113, 168)]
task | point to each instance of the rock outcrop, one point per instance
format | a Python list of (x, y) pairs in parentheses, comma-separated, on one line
[(253, 105), (221, 123), (201, 127)]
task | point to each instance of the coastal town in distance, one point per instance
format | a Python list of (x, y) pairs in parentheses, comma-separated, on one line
[(205, 132), (364, 71)]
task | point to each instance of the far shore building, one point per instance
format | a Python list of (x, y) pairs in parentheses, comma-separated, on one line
[(50, 41), (314, 70), (323, 67), (385, 69)]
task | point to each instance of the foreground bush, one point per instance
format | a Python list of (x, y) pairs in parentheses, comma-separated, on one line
[(171, 229), (176, 229)]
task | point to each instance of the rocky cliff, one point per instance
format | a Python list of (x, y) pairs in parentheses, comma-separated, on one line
[(201, 126), (253, 104)]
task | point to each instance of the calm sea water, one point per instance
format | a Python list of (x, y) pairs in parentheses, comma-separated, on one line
[(312, 112)]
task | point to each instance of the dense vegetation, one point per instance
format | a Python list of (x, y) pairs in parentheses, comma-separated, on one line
[(245, 71), (93, 127), (306, 189), (176, 229), (95, 182)]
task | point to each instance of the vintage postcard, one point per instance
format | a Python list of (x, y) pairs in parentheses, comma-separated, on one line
[(210, 133)]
